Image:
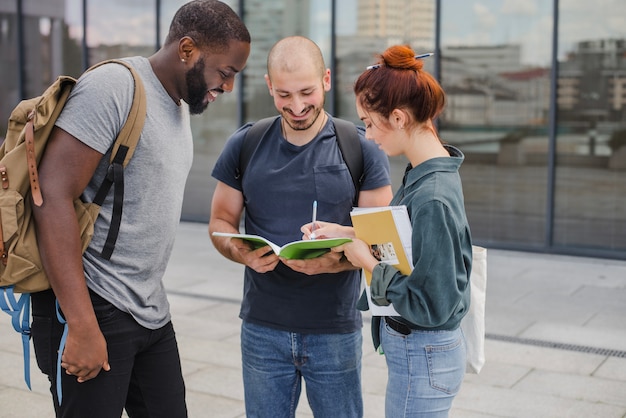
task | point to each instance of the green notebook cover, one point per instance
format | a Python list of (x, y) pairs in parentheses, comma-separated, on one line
[(296, 250)]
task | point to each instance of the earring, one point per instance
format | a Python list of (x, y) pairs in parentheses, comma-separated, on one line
[(183, 60)]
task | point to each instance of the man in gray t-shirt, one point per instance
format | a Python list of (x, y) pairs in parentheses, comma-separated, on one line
[(119, 335)]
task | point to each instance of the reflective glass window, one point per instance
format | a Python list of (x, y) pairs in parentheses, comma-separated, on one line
[(495, 69), (269, 21), (48, 46), (210, 131), (9, 70), (590, 191), (544, 166), (366, 28), (120, 28)]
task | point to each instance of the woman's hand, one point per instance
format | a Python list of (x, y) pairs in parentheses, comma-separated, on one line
[(359, 253), (321, 230)]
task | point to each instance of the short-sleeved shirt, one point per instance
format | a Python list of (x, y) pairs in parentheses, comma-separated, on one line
[(279, 186), (154, 182)]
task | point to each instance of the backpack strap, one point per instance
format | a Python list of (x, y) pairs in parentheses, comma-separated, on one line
[(350, 146), (251, 141), (131, 131), (62, 342), (19, 310), (122, 151), (347, 139), (65, 86)]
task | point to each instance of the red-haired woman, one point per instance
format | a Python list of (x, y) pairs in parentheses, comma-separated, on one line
[(424, 346)]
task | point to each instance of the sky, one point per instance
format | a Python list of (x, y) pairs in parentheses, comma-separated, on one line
[(465, 22), (529, 23), (108, 21), (525, 22)]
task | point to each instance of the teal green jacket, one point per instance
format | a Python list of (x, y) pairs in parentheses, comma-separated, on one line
[(436, 295)]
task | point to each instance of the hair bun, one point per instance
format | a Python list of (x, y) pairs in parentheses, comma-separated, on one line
[(401, 57)]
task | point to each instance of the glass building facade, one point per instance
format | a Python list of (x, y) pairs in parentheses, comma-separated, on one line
[(536, 94)]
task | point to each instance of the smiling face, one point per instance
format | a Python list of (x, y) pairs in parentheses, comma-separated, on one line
[(299, 94), (213, 74), (298, 81)]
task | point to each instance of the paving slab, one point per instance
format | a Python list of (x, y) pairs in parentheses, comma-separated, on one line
[(556, 343)]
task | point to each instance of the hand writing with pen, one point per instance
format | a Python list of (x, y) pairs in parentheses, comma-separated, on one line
[(331, 262), (357, 252)]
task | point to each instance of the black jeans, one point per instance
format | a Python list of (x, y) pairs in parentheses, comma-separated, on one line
[(145, 376)]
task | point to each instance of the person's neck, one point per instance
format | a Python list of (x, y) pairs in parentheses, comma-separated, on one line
[(424, 145), (159, 63), (303, 137)]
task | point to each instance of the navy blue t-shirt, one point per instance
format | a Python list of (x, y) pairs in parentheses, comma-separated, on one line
[(280, 184)]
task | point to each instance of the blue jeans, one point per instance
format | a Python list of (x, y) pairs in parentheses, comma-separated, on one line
[(274, 363), (145, 376), (425, 369)]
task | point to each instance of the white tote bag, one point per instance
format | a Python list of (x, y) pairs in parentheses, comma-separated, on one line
[(473, 324)]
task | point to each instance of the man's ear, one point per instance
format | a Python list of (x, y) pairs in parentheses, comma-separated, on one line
[(269, 84), (326, 80), (187, 49)]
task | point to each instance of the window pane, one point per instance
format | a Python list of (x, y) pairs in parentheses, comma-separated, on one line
[(73, 38), (51, 47), (268, 22), (366, 28), (590, 197), (495, 70), (210, 131), (9, 70), (168, 8), (120, 28)]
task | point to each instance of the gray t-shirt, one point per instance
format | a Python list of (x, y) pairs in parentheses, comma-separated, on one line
[(154, 182)]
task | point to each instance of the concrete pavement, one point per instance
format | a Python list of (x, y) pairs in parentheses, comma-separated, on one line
[(556, 343)]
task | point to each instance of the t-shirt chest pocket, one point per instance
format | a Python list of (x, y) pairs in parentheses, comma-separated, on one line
[(333, 184)]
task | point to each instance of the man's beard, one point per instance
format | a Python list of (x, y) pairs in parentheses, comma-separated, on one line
[(302, 125), (196, 88)]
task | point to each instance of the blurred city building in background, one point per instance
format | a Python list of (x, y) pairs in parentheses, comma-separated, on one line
[(536, 94)]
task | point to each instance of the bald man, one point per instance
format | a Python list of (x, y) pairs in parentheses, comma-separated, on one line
[(299, 316)]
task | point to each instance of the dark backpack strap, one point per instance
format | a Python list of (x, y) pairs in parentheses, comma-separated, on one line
[(123, 149), (251, 141), (350, 146), (347, 139), (115, 176)]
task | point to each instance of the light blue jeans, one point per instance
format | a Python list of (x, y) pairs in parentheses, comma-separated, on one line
[(425, 369), (274, 363)]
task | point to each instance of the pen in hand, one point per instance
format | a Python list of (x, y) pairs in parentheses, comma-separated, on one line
[(312, 236)]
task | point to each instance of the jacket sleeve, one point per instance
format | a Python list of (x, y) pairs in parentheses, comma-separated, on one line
[(435, 290)]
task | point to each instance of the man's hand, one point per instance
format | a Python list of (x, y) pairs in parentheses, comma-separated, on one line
[(85, 354), (331, 262), (260, 260)]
